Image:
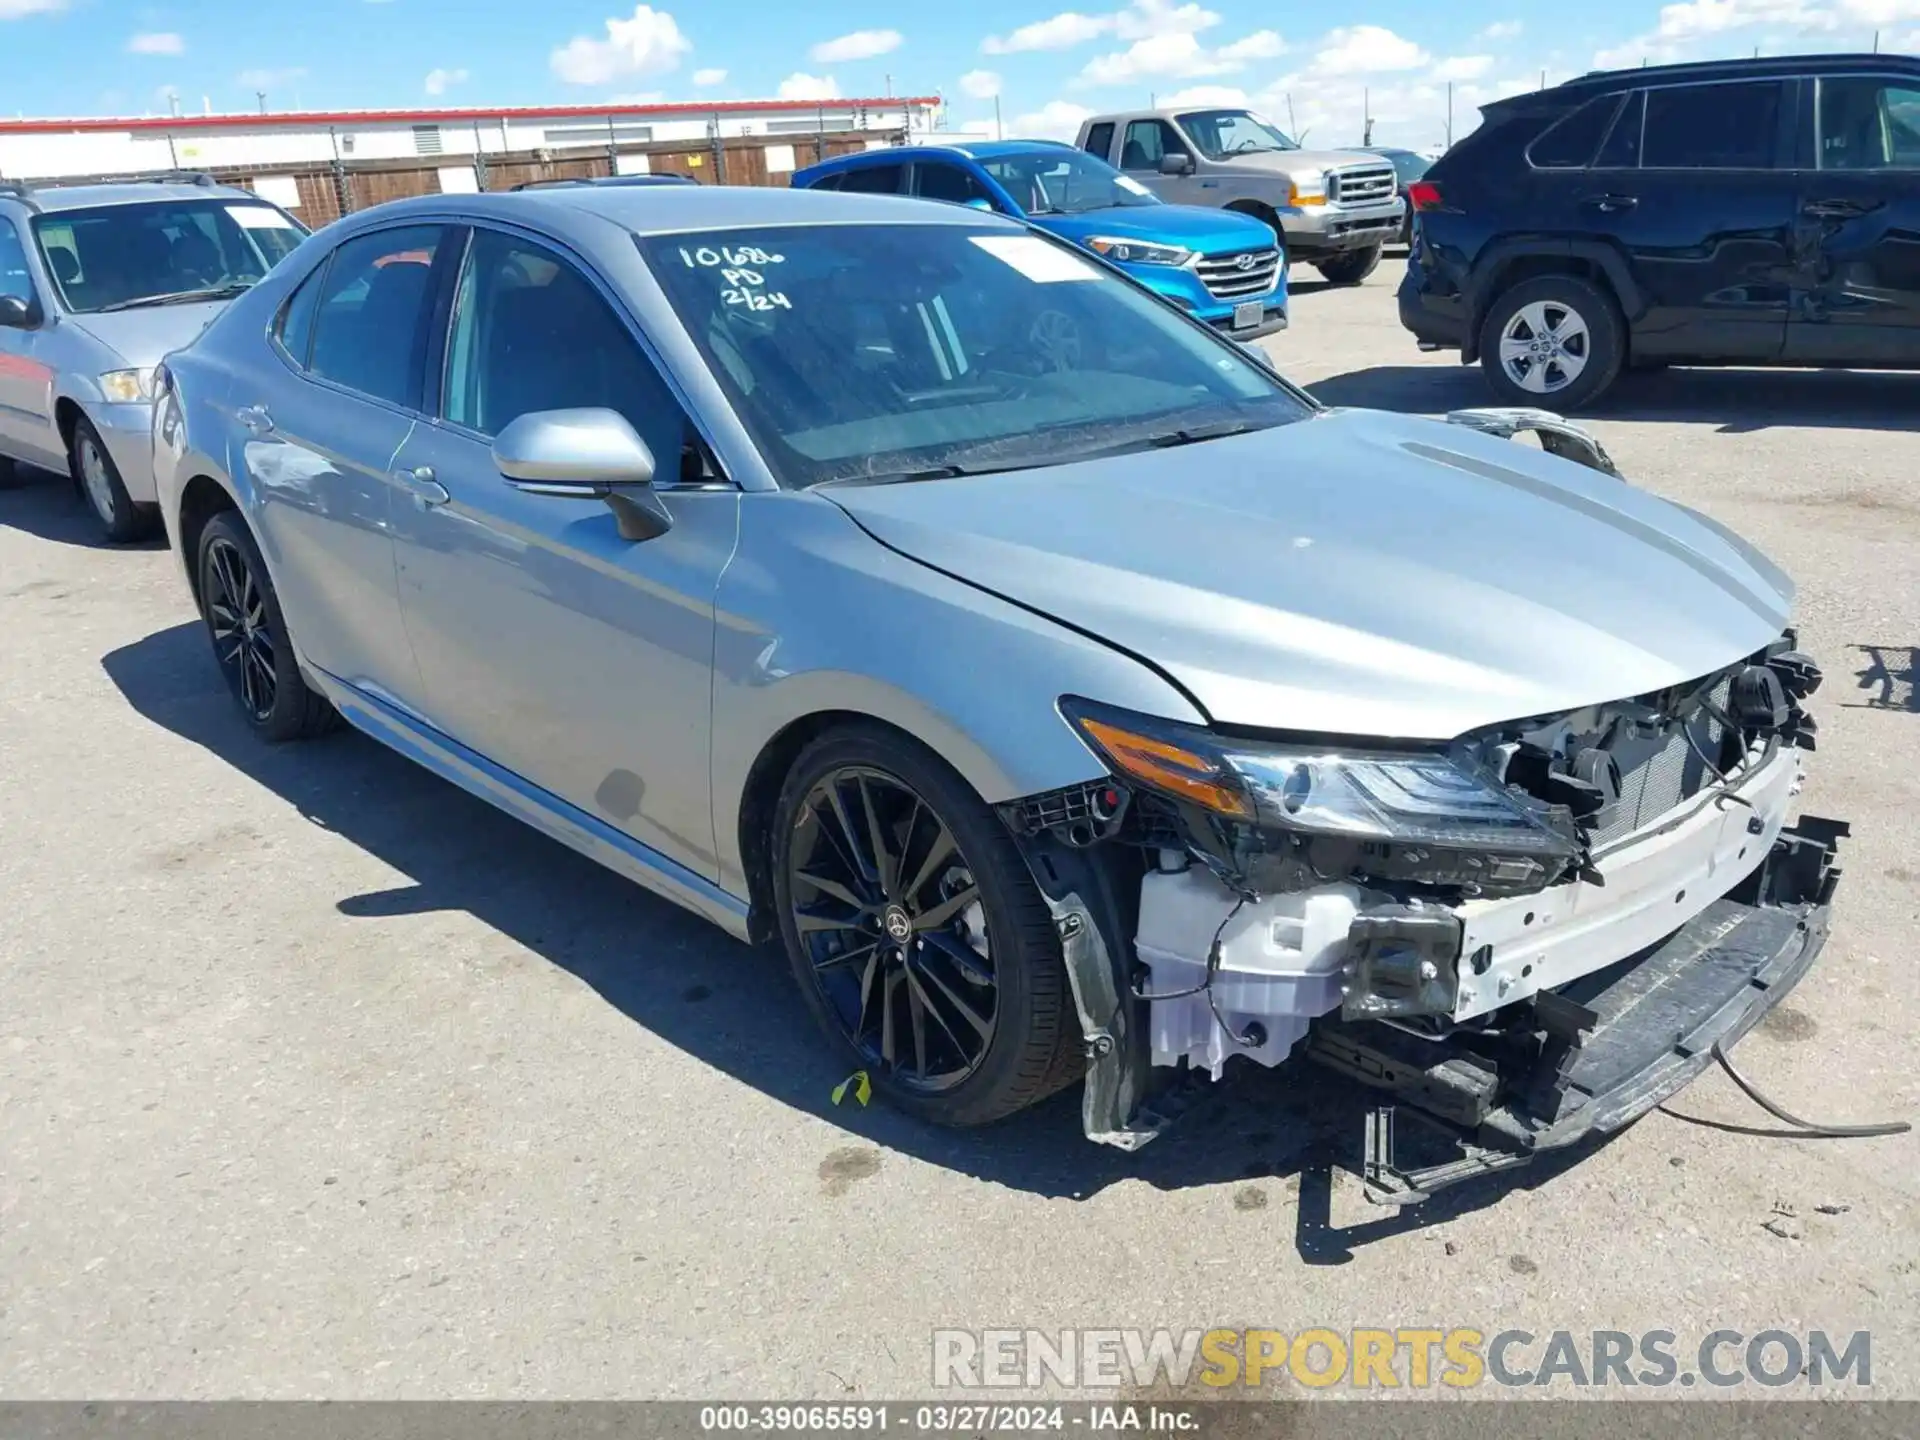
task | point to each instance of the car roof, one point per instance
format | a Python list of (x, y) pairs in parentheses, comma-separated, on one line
[(51, 198), (672, 209), (1772, 67)]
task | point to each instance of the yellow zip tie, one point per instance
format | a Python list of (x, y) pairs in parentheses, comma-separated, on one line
[(862, 1088)]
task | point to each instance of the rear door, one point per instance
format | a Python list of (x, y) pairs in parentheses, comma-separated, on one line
[(1694, 185), (1857, 231)]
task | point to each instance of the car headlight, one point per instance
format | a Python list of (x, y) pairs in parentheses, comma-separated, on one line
[(1137, 252), (125, 386), (1403, 797), (1308, 189)]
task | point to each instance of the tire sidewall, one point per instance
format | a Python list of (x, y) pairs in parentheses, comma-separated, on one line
[(1349, 268), (286, 720), (1605, 330), (969, 820), (125, 521)]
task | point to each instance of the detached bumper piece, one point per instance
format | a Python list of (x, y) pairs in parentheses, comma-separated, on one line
[(1595, 1055)]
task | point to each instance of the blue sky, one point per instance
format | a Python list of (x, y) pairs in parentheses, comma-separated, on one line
[(1391, 59)]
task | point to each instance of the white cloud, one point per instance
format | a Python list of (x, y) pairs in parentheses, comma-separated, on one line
[(438, 82), (1177, 55), (268, 79), (1226, 96), (1462, 67), (980, 84), (1166, 44), (1261, 45), (1682, 29), (1146, 18), (1408, 108), (1501, 30), (800, 86), (1056, 120), (860, 45), (646, 43), (1367, 50), (162, 42), (15, 9), (704, 78), (1062, 32)]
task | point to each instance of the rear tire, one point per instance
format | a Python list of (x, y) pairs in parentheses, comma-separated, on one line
[(1556, 341), (98, 480), (995, 961), (249, 635), (1351, 267)]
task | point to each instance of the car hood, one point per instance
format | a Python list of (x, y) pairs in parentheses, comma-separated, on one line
[(1357, 573), (1299, 162), (143, 338), (1208, 231)]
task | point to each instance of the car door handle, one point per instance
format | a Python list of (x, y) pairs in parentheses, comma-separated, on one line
[(254, 419), (1839, 209), (422, 486), (1610, 204)]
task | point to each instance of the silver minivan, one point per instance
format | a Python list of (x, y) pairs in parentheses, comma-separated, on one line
[(97, 282)]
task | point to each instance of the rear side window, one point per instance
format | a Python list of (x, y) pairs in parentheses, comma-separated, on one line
[(1713, 127), (1571, 142), (294, 328), (873, 179), (369, 330), (1622, 148), (1099, 140), (14, 278), (826, 182), (952, 183)]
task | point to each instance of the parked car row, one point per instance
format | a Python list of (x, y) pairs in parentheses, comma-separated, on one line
[(1752, 212), (1099, 710)]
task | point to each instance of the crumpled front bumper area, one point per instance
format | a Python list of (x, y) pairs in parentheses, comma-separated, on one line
[(1604, 1050)]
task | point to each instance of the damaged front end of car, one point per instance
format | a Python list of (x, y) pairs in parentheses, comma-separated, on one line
[(1526, 936)]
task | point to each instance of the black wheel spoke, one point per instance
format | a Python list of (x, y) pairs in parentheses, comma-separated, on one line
[(906, 989), (943, 914)]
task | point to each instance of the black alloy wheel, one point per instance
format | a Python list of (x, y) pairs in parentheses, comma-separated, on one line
[(893, 924), (249, 635)]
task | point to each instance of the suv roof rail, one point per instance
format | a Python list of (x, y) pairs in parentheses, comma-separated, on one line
[(181, 177), (21, 190)]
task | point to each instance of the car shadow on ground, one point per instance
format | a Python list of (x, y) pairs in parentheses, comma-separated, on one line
[(1739, 401), (43, 504), (736, 1008)]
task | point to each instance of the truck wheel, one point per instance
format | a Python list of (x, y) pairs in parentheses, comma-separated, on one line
[(1555, 338), (1350, 268)]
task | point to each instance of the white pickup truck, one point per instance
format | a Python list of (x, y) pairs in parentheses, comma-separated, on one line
[(1332, 209)]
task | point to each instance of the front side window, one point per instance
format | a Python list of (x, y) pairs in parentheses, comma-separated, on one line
[(874, 179), (1713, 127), (124, 257), (909, 350), (531, 333), (1064, 182), (1869, 124), (1221, 134), (369, 329), (1146, 142)]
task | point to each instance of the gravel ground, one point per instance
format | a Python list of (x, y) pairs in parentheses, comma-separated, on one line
[(319, 1078)]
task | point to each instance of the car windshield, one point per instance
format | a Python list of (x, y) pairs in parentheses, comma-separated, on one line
[(913, 351), (1064, 182), (1220, 133), (122, 257)]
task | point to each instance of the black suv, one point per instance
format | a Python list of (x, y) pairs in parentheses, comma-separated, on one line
[(1751, 212)]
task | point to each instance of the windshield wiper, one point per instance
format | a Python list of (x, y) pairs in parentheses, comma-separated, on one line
[(1194, 434), (177, 297), (943, 472)]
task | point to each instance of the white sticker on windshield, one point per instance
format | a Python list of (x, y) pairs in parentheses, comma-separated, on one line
[(1131, 185), (257, 217), (1039, 261)]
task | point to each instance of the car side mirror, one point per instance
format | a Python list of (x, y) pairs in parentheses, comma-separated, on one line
[(585, 455), (1176, 162), (18, 314)]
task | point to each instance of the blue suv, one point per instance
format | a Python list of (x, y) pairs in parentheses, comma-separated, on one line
[(1220, 266)]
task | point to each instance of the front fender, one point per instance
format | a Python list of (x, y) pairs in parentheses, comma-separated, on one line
[(813, 616)]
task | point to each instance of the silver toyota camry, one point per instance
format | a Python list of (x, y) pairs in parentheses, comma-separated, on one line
[(1070, 696)]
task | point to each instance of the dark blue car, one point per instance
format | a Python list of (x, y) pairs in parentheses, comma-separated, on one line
[(1221, 266)]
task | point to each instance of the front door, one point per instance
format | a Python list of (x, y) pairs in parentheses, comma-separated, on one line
[(27, 430), (1694, 185), (579, 661), (1857, 299), (318, 434), (1142, 145)]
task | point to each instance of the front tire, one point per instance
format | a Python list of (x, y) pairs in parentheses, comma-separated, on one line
[(1555, 340), (1350, 267), (249, 635), (919, 939), (98, 480)]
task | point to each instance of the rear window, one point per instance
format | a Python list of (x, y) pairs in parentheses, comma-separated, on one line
[(1713, 127), (1099, 140), (1492, 150), (1622, 148), (1570, 143)]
